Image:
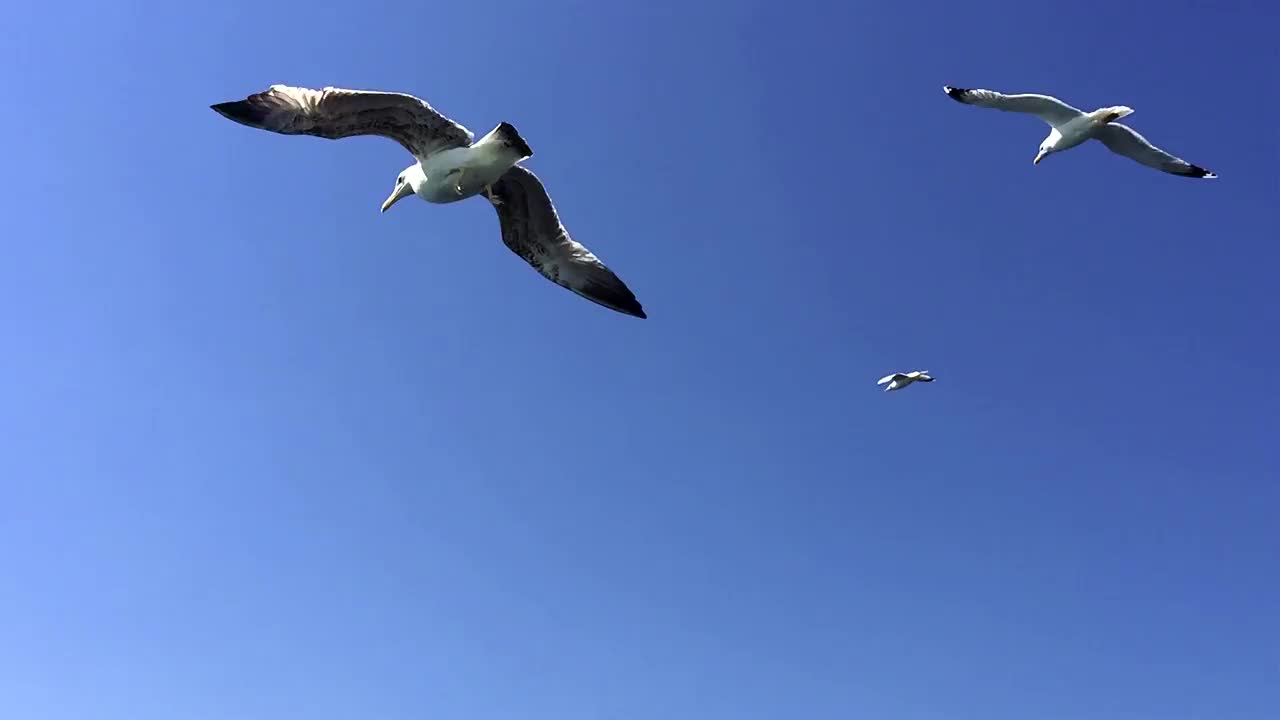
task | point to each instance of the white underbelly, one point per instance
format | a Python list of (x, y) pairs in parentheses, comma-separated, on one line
[(469, 169), (1074, 133)]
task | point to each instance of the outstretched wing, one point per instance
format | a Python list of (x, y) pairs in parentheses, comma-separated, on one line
[(335, 113), (1047, 108), (532, 229), (888, 378), (1124, 140)]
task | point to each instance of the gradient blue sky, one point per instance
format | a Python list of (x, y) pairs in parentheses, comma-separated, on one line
[(270, 454)]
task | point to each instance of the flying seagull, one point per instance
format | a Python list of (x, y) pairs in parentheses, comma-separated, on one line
[(897, 381), (449, 165), (1069, 127)]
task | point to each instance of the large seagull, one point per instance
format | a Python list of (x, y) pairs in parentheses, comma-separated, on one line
[(449, 165), (1068, 127), (899, 380)]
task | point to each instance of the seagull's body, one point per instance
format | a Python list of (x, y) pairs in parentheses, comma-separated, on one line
[(1069, 127), (459, 173), (898, 380), (450, 165)]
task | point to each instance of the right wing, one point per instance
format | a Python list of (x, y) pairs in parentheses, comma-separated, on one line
[(1124, 140), (531, 229)]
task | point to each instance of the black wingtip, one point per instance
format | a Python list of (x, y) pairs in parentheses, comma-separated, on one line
[(620, 305), (627, 305), (241, 111), (614, 294), (955, 93), (1196, 171)]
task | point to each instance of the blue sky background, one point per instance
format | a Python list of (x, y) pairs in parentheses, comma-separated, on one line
[(270, 454)]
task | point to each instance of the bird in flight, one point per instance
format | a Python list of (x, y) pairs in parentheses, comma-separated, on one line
[(449, 165), (1069, 127), (898, 380)]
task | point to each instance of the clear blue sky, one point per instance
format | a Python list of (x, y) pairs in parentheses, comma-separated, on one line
[(270, 454)]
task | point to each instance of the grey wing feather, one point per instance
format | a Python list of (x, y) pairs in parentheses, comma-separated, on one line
[(1124, 140), (338, 113), (1049, 109), (531, 229)]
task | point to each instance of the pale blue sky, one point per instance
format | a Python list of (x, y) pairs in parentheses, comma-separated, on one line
[(271, 454)]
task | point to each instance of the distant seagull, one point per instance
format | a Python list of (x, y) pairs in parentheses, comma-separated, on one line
[(897, 381), (450, 165), (1070, 127)]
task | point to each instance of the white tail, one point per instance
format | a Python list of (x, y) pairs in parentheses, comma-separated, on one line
[(1112, 114)]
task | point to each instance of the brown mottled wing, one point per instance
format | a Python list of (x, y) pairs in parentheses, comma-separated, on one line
[(1124, 140), (337, 113), (532, 229)]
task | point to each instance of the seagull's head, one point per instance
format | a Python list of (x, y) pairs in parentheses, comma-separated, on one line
[(406, 184), (1040, 155)]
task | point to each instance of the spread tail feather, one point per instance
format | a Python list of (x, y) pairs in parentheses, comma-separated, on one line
[(507, 134), (1112, 114)]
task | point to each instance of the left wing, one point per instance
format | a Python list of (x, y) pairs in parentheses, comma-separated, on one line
[(1046, 107), (336, 113)]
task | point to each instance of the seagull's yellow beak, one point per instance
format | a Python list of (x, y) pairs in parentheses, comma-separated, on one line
[(402, 190), (1039, 156)]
